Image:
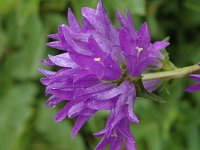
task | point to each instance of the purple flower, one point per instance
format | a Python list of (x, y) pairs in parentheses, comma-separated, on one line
[(195, 87), (97, 70), (136, 46)]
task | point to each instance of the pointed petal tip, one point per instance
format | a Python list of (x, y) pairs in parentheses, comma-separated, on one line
[(41, 81), (69, 10), (41, 61), (46, 72), (49, 55), (164, 44), (47, 105), (128, 14), (40, 69), (100, 133), (57, 119), (73, 134), (53, 36), (194, 76), (100, 2), (100, 7), (167, 43), (119, 15), (49, 35), (145, 23), (56, 45), (144, 27), (50, 44), (69, 13), (159, 45), (144, 32), (193, 88), (136, 121), (118, 11)]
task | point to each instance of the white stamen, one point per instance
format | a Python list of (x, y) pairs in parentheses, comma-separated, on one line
[(97, 59), (139, 49), (114, 135)]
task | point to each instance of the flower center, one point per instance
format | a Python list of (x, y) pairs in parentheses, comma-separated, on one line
[(126, 76)]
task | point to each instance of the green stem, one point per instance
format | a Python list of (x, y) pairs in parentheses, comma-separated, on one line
[(176, 73)]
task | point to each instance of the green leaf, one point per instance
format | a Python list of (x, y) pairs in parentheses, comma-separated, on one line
[(193, 5), (15, 111), (25, 10), (53, 135), (137, 6), (77, 5), (3, 42), (193, 138), (23, 64), (52, 21), (6, 6)]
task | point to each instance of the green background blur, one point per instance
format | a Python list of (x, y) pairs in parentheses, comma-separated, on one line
[(25, 123)]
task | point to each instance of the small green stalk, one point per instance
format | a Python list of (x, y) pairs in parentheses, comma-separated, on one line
[(175, 73)]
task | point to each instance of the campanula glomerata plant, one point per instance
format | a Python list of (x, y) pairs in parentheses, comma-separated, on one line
[(104, 68)]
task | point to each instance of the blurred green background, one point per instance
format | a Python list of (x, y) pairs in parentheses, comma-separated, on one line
[(25, 123)]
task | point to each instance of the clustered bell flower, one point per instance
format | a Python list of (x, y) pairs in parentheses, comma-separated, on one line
[(99, 67)]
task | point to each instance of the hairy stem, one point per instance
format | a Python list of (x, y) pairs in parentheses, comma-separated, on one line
[(176, 73)]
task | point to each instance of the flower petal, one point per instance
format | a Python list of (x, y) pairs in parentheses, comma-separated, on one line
[(193, 88), (144, 35), (159, 45), (53, 101), (195, 77), (63, 60), (78, 124), (72, 21)]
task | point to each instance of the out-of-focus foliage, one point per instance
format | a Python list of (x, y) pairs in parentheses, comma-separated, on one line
[(25, 123)]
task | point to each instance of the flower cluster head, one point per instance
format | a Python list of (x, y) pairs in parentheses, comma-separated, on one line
[(99, 66)]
